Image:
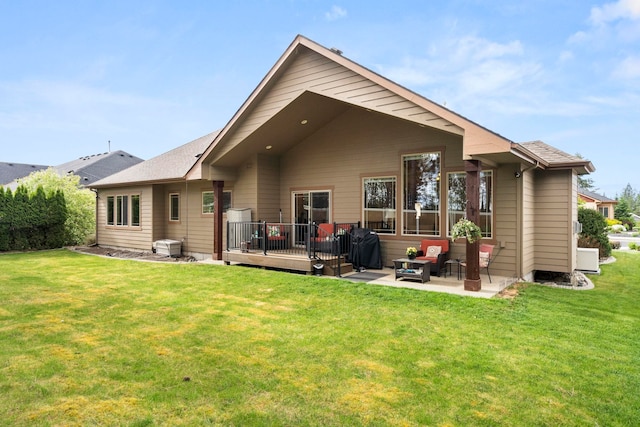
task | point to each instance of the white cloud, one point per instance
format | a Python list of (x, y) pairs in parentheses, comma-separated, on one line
[(468, 67), (622, 9), (335, 13), (628, 69)]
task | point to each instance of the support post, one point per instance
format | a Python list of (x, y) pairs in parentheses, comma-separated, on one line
[(218, 206), (472, 280)]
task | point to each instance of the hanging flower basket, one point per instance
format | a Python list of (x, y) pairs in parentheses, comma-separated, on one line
[(467, 229)]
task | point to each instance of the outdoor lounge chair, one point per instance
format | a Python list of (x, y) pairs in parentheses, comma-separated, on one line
[(486, 257), (277, 237), (436, 251)]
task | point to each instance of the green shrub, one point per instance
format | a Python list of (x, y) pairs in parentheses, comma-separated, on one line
[(594, 231), (634, 246), (31, 221)]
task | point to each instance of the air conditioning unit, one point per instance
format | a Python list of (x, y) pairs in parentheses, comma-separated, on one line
[(587, 260), (168, 247)]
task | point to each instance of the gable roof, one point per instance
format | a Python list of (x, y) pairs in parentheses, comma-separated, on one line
[(170, 166), (392, 99), (10, 172)]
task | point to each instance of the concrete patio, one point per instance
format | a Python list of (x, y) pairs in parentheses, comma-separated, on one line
[(449, 284)]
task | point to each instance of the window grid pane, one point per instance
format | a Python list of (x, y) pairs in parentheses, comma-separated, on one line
[(207, 202), (457, 200), (380, 204), (421, 196)]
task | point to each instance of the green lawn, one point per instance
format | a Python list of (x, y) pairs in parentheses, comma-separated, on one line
[(94, 341)]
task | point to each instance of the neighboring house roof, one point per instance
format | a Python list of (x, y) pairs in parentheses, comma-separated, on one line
[(170, 166), (9, 172), (595, 196), (89, 168), (98, 166)]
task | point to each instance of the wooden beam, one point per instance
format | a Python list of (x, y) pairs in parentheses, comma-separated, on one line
[(472, 280)]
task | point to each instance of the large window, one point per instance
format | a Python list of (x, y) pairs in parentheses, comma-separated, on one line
[(123, 210), (208, 201), (457, 200), (380, 204), (174, 207), (421, 194)]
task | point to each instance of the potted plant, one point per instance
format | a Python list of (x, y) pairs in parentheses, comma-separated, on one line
[(467, 229), (411, 252)]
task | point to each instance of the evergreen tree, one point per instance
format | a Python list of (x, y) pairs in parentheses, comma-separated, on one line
[(4, 220), (623, 214), (632, 197), (80, 202), (594, 231)]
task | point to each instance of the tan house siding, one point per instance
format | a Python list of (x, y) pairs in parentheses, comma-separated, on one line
[(268, 188), (315, 73), (528, 223), (160, 213), (553, 215), (176, 230), (354, 146), (245, 188), (505, 208), (199, 226), (574, 218), (126, 237)]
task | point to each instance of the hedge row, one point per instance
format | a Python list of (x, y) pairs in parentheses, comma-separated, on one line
[(33, 221)]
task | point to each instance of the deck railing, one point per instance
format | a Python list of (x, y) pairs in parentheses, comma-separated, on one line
[(312, 240)]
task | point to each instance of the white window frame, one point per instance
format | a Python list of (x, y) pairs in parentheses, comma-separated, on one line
[(386, 214), (411, 224)]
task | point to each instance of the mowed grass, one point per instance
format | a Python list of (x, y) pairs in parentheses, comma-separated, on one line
[(93, 341)]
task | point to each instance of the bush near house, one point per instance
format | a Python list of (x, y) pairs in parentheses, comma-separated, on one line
[(594, 232), (80, 224), (31, 221)]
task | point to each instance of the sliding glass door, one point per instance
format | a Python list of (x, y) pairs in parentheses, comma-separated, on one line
[(310, 206)]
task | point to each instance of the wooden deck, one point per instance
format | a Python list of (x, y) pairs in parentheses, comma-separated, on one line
[(286, 261)]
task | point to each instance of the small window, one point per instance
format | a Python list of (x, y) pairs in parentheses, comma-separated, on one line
[(174, 207), (110, 210), (135, 210)]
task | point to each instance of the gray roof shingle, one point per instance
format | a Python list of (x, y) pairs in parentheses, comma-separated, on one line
[(172, 165), (9, 172)]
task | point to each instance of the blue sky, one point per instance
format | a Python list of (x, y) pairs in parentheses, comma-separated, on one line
[(151, 75)]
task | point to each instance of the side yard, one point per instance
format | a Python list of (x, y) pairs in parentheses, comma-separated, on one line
[(91, 340)]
